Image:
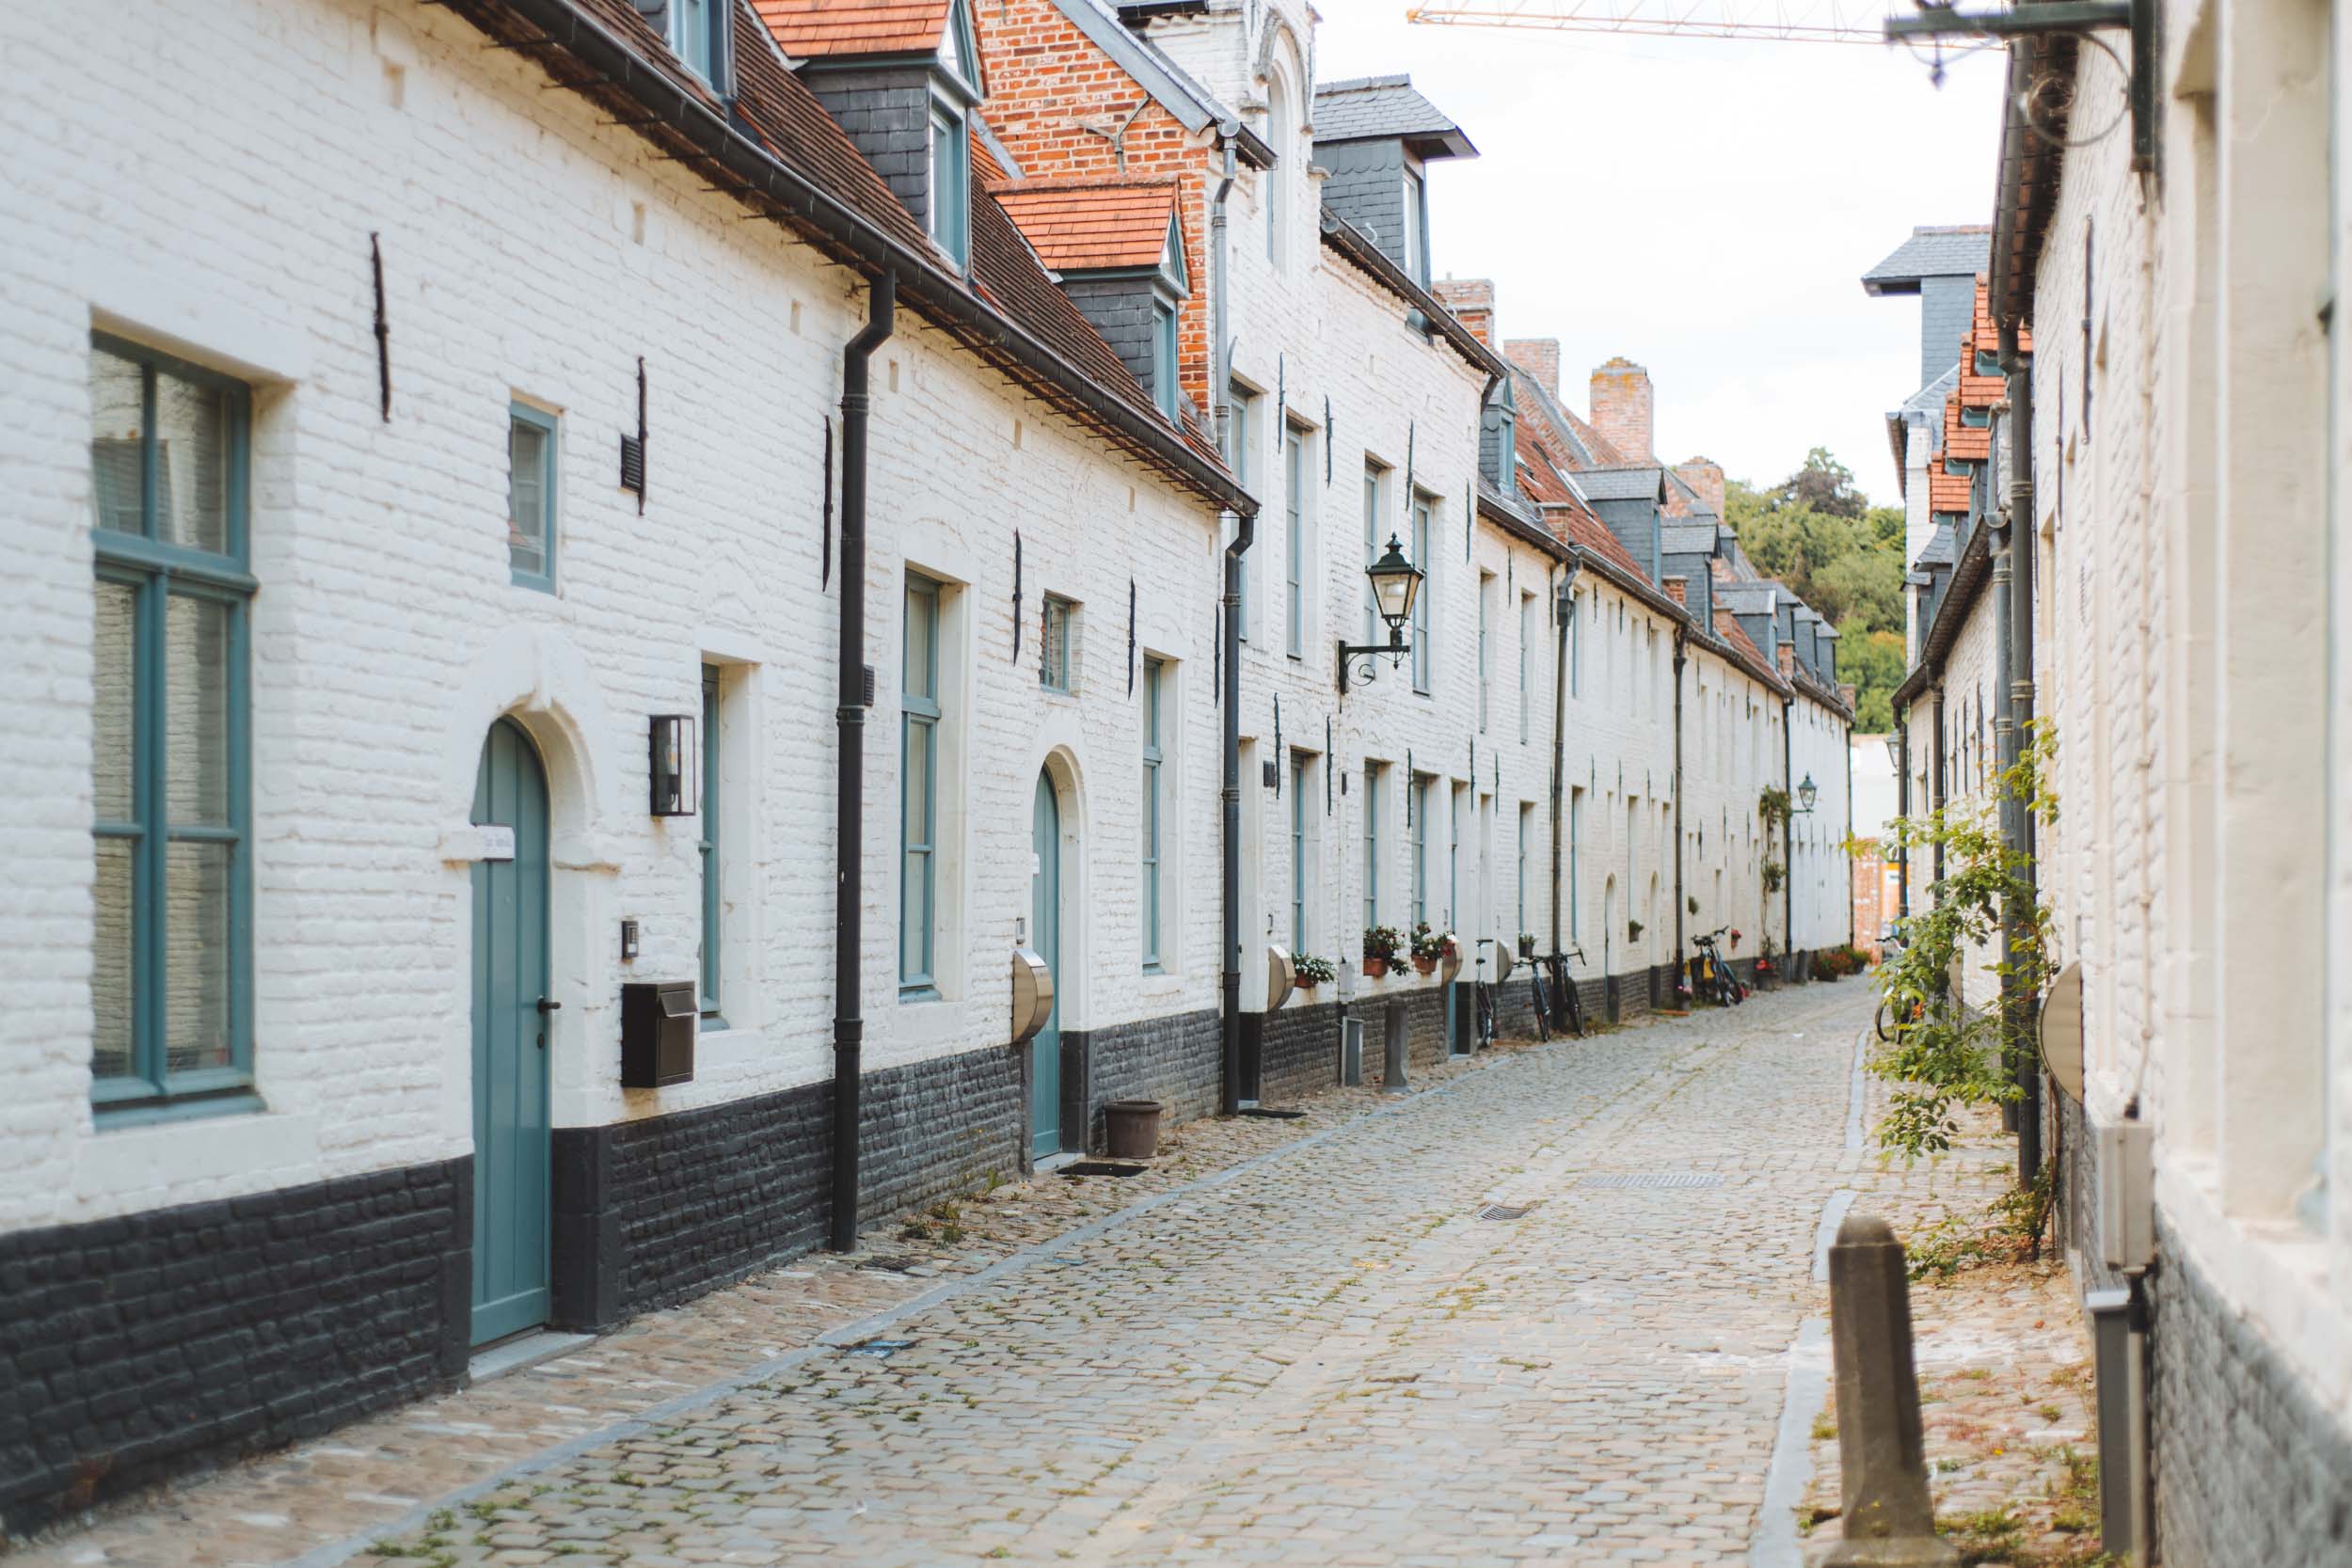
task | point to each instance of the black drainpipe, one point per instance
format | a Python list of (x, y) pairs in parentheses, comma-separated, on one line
[(849, 941), (2018, 721), (1563, 611), (1683, 961), (1903, 810), (1789, 837), (1244, 533)]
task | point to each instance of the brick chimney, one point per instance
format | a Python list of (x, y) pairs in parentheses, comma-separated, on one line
[(1678, 589), (1788, 659), (1848, 692), (1539, 357), (1473, 301), (1621, 404), (1706, 476)]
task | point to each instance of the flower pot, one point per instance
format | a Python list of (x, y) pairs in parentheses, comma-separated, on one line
[(1131, 1129), (1304, 988), (1426, 966), (1374, 968)]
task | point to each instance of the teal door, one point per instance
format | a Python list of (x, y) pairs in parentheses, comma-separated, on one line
[(511, 1154), (1045, 921)]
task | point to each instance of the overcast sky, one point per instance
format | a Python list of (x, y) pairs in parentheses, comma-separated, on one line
[(1703, 207)]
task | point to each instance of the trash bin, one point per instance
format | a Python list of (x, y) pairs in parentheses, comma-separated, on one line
[(1132, 1128)]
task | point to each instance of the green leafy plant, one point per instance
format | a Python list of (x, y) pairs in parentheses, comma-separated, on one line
[(1310, 969), (1428, 945), (1633, 930), (1383, 943), (1693, 902), (1773, 874), (1772, 805), (1948, 1055)]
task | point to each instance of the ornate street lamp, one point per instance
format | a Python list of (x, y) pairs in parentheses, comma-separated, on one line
[(1396, 584), (1895, 751), (1807, 793)]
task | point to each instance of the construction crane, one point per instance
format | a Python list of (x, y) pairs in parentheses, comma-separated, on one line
[(1782, 21)]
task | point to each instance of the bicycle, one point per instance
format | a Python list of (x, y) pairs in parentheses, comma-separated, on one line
[(1482, 993), (1566, 999), (1904, 1017), (1716, 983)]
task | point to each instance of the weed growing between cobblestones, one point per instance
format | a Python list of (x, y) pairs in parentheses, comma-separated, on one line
[(2008, 1232), (1943, 1054)]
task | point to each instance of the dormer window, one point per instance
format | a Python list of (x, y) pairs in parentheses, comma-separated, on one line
[(1977, 419), (698, 34), (950, 206), (1416, 229), (1163, 356)]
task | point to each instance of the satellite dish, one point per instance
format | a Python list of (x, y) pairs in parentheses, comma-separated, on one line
[(2062, 1031)]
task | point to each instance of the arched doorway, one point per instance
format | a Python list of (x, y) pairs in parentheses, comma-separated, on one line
[(1045, 936), (511, 1117)]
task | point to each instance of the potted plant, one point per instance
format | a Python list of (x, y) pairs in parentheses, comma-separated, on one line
[(1527, 945), (1381, 945), (1308, 972), (1764, 970), (1428, 948), (1695, 903), (1633, 930), (1736, 935)]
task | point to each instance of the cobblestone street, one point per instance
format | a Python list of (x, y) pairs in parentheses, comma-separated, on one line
[(1324, 1354)]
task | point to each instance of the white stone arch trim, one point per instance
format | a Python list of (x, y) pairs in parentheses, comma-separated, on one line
[(536, 676), (1057, 752), (1271, 38)]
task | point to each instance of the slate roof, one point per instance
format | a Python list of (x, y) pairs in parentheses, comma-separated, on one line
[(1621, 485), (808, 29), (1694, 536), (1370, 108), (1083, 225), (1728, 629), (1956, 249)]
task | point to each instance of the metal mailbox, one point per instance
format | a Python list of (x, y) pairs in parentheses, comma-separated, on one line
[(1032, 993), (659, 1020), (1281, 976)]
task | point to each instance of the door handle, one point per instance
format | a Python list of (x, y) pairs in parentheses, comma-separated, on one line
[(548, 1006)]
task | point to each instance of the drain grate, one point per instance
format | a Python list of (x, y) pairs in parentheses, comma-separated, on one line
[(1270, 1115), (1505, 1210), (891, 1265), (878, 1349), (1101, 1167), (1655, 1179)]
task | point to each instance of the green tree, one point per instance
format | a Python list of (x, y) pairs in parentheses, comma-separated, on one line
[(1873, 661)]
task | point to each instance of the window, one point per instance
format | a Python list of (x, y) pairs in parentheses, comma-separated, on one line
[(1576, 841), (1373, 475), (171, 965), (1372, 843), (707, 847), (1526, 665), (1298, 851), (1527, 829), (950, 180), (1294, 539), (1164, 357), (918, 761), (1977, 419), (1277, 124), (1420, 808), (1453, 859), (1485, 679), (1576, 646), (531, 496), (1153, 670), (1424, 654), (1416, 229), (698, 38), (1053, 671)]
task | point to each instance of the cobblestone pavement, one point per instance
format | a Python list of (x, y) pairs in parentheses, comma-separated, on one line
[(1326, 1354)]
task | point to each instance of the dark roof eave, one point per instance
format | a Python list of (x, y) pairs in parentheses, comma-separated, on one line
[(1968, 576), (1358, 246), (793, 197)]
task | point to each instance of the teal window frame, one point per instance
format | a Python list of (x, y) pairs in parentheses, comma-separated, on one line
[(158, 570), (1576, 842), (1421, 849), (1424, 557), (1527, 816), (706, 848), (1242, 420), (919, 707), (698, 37), (1374, 476), (1053, 666), (551, 427), (1294, 540), (1372, 845), (1576, 646), (1453, 858), (1526, 666), (1486, 656), (1154, 673), (1298, 852), (1164, 384), (947, 169), (1416, 226)]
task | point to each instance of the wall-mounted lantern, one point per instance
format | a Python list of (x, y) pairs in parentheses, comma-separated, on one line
[(1396, 584), (1807, 793), (1895, 753), (675, 788)]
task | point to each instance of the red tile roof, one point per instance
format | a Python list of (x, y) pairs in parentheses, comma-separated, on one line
[(1728, 629), (1081, 223), (1947, 492), (804, 28)]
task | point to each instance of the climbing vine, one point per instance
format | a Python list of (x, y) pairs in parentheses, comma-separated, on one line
[(1941, 1054)]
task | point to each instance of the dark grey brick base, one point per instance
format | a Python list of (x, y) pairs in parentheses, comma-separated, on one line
[(2249, 1467), (1300, 1049), (1176, 1060), (141, 1347), (655, 1211)]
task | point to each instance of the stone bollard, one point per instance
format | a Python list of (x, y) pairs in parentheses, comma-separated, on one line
[(1887, 1519)]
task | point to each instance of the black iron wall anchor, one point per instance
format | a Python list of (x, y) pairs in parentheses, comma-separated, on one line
[(1016, 595), (1360, 661), (2058, 17), (824, 576), (1327, 768), (1276, 766), (1131, 636), (383, 331)]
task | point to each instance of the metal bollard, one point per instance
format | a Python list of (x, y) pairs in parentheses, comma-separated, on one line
[(1399, 1049), (1887, 1517)]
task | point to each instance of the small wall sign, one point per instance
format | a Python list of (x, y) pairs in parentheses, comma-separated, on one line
[(496, 843)]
